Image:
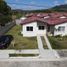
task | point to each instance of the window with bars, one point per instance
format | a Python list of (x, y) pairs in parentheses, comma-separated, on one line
[(61, 28), (41, 27), (29, 28)]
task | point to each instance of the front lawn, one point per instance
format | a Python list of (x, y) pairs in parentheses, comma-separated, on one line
[(58, 42), (44, 43), (20, 42)]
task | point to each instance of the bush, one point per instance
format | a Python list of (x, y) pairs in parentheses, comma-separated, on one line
[(58, 36), (20, 34), (65, 36), (5, 19), (54, 43)]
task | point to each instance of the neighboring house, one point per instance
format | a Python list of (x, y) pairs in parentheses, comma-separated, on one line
[(18, 21), (40, 24)]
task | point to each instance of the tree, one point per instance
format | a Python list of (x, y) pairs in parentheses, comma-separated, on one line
[(5, 10)]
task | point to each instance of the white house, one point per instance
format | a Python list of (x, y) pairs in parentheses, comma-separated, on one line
[(61, 29), (33, 28), (35, 25), (18, 21)]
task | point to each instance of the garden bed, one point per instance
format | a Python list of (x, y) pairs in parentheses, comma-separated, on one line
[(58, 42), (22, 55)]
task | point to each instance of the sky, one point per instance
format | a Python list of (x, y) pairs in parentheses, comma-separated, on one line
[(34, 4)]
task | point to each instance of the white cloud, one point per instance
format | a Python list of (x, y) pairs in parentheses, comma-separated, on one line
[(65, 1), (17, 0), (13, 5), (30, 6), (56, 2), (32, 2)]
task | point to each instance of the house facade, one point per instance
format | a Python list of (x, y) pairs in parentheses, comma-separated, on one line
[(46, 24), (34, 29), (61, 29)]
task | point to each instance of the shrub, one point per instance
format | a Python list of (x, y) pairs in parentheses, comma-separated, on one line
[(58, 36), (65, 36), (20, 34), (54, 43)]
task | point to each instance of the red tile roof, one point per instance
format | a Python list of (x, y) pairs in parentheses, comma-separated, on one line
[(32, 19), (41, 15), (52, 20), (55, 21), (56, 15), (65, 14)]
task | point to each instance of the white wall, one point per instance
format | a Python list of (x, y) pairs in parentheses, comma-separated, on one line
[(61, 32), (22, 18), (29, 33), (35, 31), (41, 32), (18, 21)]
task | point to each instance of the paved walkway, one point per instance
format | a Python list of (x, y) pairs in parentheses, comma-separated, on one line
[(40, 46), (49, 46), (46, 53)]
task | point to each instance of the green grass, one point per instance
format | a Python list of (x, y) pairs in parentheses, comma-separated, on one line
[(22, 55), (58, 42), (20, 42), (44, 43)]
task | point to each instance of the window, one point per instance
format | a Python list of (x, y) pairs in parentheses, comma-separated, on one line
[(30, 28), (61, 28), (41, 27)]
